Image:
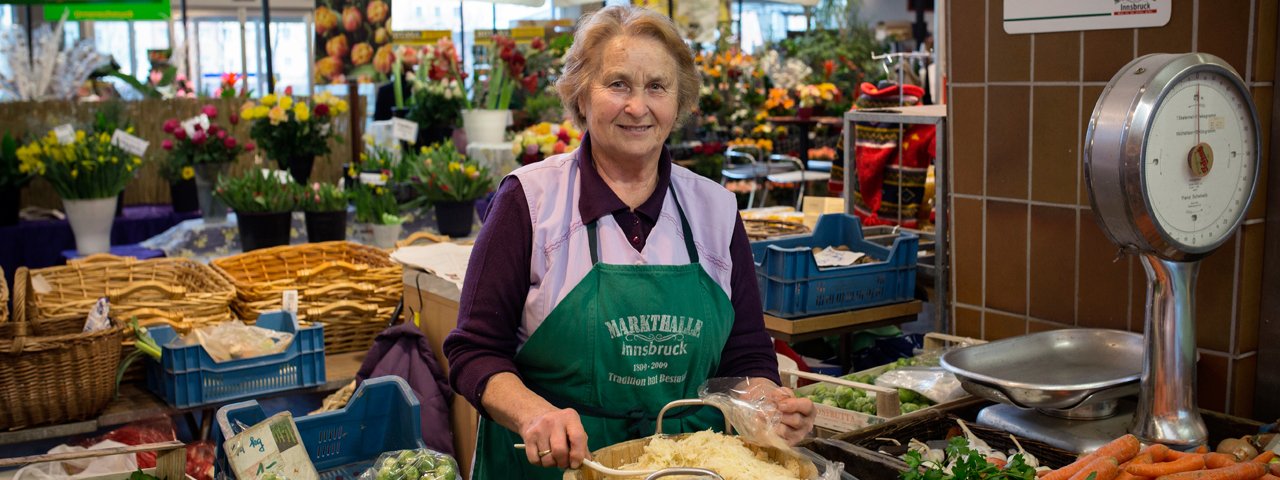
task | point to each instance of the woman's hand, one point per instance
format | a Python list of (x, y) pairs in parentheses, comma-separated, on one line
[(557, 435), (795, 415)]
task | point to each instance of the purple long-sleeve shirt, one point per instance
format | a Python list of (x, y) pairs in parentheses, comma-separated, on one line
[(497, 282)]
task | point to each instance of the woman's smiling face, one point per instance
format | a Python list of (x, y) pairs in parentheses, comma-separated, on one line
[(631, 104)]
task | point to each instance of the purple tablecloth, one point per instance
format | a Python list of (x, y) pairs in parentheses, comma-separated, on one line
[(41, 243)]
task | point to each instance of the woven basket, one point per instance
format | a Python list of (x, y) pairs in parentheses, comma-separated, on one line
[(50, 371), (617, 455), (353, 289), (174, 291), (4, 298)]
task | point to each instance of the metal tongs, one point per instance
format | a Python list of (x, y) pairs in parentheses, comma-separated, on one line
[(653, 474)]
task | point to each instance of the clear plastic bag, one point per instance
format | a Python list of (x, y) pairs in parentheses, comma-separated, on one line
[(420, 464), (751, 406), (934, 383), (234, 340)]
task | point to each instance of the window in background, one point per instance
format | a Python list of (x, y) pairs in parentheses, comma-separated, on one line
[(218, 45), (148, 36), (112, 38), (768, 22), (6, 15), (288, 55)]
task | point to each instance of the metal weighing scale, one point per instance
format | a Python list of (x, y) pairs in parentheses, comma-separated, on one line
[(1171, 160)]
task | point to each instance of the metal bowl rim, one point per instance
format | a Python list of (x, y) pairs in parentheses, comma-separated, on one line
[(1005, 384)]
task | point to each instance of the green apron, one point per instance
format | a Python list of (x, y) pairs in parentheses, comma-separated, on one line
[(623, 343)]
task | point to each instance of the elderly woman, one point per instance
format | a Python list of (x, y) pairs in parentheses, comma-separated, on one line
[(607, 282)]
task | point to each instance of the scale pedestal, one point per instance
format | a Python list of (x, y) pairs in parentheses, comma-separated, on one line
[(1069, 435)]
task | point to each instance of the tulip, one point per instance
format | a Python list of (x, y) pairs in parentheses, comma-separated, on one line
[(167, 144), (180, 134), (229, 142), (221, 134), (210, 111), (171, 125), (249, 146), (233, 118), (199, 138)]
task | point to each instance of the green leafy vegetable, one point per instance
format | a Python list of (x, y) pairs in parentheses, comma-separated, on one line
[(966, 464)]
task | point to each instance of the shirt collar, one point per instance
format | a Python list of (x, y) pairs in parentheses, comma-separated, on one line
[(598, 200)]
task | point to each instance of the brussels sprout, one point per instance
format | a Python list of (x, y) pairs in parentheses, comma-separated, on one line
[(831, 402), (446, 471), (405, 455)]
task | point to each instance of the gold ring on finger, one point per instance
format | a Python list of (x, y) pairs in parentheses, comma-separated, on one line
[(544, 453)]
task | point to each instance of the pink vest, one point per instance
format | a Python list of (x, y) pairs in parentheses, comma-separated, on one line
[(561, 257)]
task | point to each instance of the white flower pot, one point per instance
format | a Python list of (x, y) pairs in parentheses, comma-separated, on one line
[(385, 236), (91, 222), (486, 126)]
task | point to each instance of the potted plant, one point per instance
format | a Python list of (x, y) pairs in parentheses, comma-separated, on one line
[(539, 141), (294, 133), (488, 112), (325, 208), (89, 173), (12, 179), (203, 152), (452, 183), (263, 201), (437, 97), (377, 209)]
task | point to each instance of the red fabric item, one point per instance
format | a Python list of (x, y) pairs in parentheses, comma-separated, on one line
[(887, 161), (142, 432)]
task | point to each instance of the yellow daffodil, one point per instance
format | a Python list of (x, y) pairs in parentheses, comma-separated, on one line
[(79, 135), (188, 173), (137, 160), (455, 167), (75, 173), (351, 171), (471, 171), (129, 130), (269, 99)]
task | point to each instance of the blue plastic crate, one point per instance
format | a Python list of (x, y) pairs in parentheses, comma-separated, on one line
[(382, 416), (187, 376), (792, 285)]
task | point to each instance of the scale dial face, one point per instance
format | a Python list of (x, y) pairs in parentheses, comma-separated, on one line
[(1171, 156), (1198, 164)]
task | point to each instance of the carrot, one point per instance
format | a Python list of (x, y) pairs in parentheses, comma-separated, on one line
[(1159, 452), (1239, 471), (1269, 477), (1201, 449), (1143, 458), (1265, 457), (1102, 468), (1122, 449), (1275, 468), (1176, 454), (1219, 460), (1184, 464)]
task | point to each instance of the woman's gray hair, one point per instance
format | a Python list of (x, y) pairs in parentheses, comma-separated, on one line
[(594, 30)]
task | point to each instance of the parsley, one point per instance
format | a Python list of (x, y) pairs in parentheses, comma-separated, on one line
[(966, 464)]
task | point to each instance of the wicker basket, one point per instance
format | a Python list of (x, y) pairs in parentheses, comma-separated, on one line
[(353, 289), (174, 291), (615, 456), (4, 298), (50, 371)]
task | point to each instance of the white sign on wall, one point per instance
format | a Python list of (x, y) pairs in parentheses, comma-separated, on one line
[(1038, 16)]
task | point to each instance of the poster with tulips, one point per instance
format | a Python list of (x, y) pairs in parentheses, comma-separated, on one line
[(353, 41)]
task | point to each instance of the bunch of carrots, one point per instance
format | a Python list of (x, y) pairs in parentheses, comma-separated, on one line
[(1125, 459)]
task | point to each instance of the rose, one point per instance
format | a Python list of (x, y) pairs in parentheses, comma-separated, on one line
[(327, 68), (221, 134), (377, 11), (229, 142), (336, 47), (199, 138), (383, 59), (361, 53), (210, 111), (531, 83), (233, 118), (171, 125), (180, 134), (351, 19), (249, 146), (322, 110), (326, 20), (167, 144), (537, 43)]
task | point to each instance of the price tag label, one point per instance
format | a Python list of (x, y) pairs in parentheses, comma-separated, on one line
[(405, 130), (373, 178), (129, 143), (66, 134), (189, 124)]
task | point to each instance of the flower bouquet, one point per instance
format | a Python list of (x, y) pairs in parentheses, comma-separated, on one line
[(294, 133), (89, 172), (12, 179), (263, 201), (487, 114), (452, 183), (325, 208), (817, 99), (438, 97), (537, 142), (376, 207), (202, 150)]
